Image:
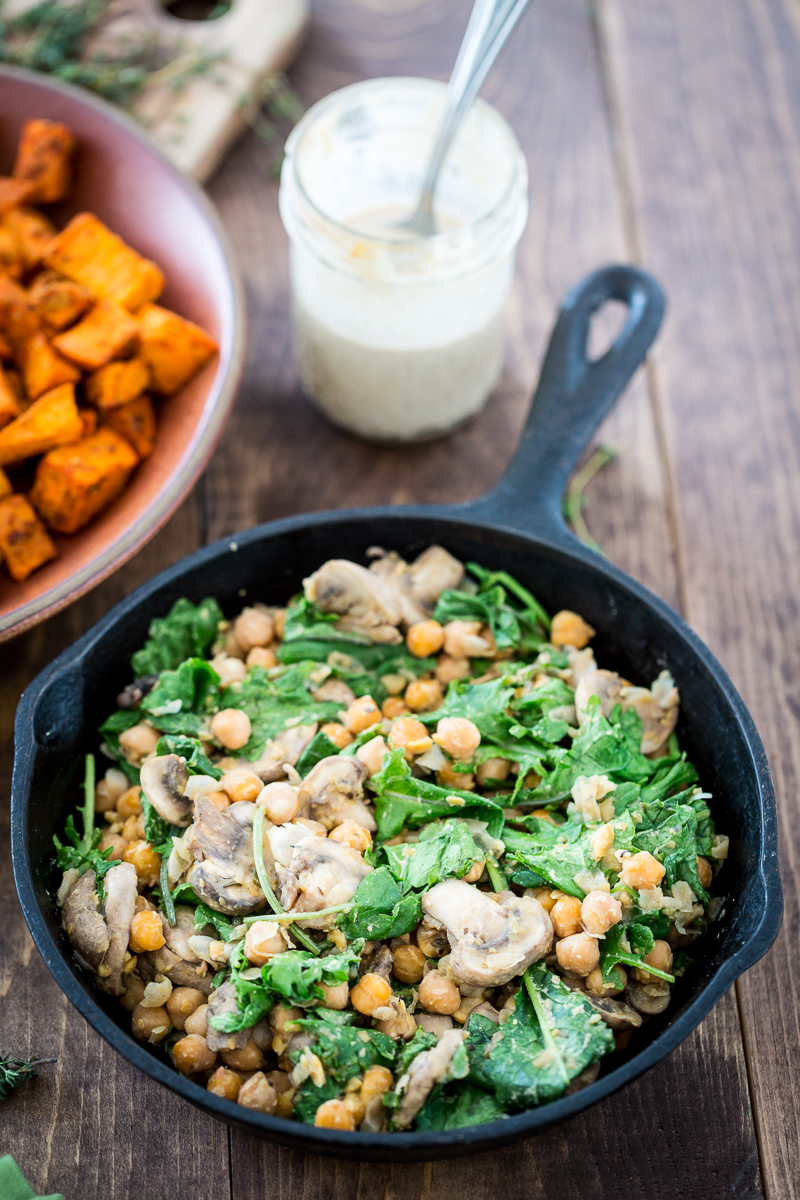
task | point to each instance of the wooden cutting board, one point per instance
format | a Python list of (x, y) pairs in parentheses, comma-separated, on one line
[(195, 126)]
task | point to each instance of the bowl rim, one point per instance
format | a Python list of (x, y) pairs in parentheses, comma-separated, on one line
[(397, 1146), (200, 449)]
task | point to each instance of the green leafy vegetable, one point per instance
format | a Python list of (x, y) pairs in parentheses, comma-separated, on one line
[(182, 699), (380, 910), (117, 723), (613, 953), (297, 975), (187, 631), (320, 747), (344, 1050), (458, 1107), (404, 801), (14, 1071), (442, 852), (82, 851), (203, 916), (190, 749)]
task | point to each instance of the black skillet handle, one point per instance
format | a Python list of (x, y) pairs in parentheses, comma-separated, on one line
[(573, 397)]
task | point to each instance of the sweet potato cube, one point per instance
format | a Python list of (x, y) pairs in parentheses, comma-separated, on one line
[(43, 368), (90, 421), (58, 301), (5, 485), (10, 407), (11, 262), (105, 332), (91, 254), (33, 233), (24, 542), (19, 321), (13, 192), (137, 424), (44, 160), (77, 482), (173, 348), (51, 421), (117, 383), (6, 353)]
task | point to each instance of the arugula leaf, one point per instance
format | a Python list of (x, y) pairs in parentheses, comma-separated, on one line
[(190, 749), (488, 579), (158, 832), (182, 698), (557, 862), (318, 748), (403, 800), (309, 1097), (442, 852), (272, 704), (344, 1050), (484, 704), (253, 1000), (449, 1108), (203, 916), (551, 693), (641, 941), (669, 832), (83, 853), (187, 631), (522, 627), (110, 730), (296, 975), (380, 910)]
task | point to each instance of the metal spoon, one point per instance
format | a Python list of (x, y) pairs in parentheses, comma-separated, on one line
[(490, 25)]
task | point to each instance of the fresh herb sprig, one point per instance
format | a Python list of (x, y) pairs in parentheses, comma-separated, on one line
[(14, 1071)]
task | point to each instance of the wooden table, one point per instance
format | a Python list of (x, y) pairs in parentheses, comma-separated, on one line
[(665, 132)]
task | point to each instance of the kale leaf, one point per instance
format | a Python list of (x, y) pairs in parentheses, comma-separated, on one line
[(318, 748), (296, 975), (181, 700), (455, 1107), (117, 723), (520, 623), (557, 862), (203, 916), (484, 704), (442, 852), (187, 631), (403, 801), (273, 704), (343, 1049), (640, 939), (380, 910)]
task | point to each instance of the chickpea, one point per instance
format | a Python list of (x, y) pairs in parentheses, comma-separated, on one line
[(401, 1024), (116, 844), (248, 1058), (425, 638), (377, 1081), (353, 835), (231, 727), (463, 780), (601, 840), (411, 735), (371, 992), (197, 1022), (337, 733), (449, 669), (438, 994), (138, 742), (371, 754), (285, 1107), (394, 707), (546, 897), (642, 871), (569, 629), (704, 872), (229, 668), (496, 769), (109, 789), (220, 800), (253, 628), (475, 871), (462, 639), (183, 1001), (133, 829), (424, 695), (258, 1093), (129, 803), (279, 801), (315, 826), (334, 1114), (578, 953), (263, 941), (600, 911), (146, 932), (259, 656), (225, 1083), (133, 994), (659, 957), (241, 784), (146, 861), (150, 1024), (408, 964), (357, 1107), (362, 714), (566, 915), (191, 1055), (595, 985), (336, 995), (458, 737)]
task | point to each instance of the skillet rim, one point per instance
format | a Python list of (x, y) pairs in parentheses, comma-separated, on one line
[(396, 1146)]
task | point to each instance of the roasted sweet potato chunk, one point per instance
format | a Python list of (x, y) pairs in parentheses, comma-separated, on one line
[(77, 482), (51, 421), (13, 192), (5, 485), (90, 421), (105, 332), (24, 542), (6, 353), (44, 160), (91, 254), (43, 368), (19, 321), (10, 407), (58, 301), (10, 259), (137, 424), (117, 383), (173, 348), (33, 233)]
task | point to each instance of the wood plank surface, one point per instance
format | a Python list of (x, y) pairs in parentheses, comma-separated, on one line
[(711, 95)]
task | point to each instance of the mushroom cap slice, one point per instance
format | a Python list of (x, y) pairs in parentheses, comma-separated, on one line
[(615, 1014), (83, 922), (491, 940), (648, 998), (319, 872), (334, 791), (365, 603), (122, 889), (425, 1072), (658, 721), (224, 871), (163, 780)]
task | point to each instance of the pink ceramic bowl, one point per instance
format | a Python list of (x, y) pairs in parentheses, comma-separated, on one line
[(134, 189)]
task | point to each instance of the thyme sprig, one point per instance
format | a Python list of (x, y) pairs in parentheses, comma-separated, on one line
[(14, 1071)]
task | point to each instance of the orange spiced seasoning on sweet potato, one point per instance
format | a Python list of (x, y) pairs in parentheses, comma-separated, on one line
[(18, 318), (51, 421), (136, 422), (5, 485), (104, 333), (44, 160), (32, 233), (117, 383), (43, 368), (58, 301), (10, 407), (75, 483), (173, 348), (12, 193), (91, 254), (24, 542), (90, 421)]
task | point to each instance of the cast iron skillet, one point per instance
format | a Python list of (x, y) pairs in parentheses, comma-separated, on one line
[(519, 528)]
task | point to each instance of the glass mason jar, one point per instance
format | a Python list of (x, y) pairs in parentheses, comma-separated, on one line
[(400, 338)]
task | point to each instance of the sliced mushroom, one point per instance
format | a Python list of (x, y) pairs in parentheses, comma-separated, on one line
[(318, 874), (332, 792), (366, 604), (83, 922), (379, 962), (587, 1076), (491, 941), (220, 1002), (269, 765), (122, 888), (224, 872), (133, 695), (433, 1022), (163, 781), (427, 1069), (658, 707), (615, 1014), (648, 998), (179, 971), (419, 585), (334, 691), (485, 1009)]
